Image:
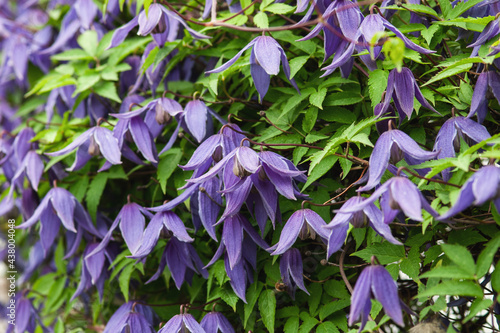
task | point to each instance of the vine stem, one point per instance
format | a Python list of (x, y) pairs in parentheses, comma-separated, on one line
[(428, 179)]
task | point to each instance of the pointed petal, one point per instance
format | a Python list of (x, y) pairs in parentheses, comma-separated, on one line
[(94, 263), (409, 146), (486, 184), (74, 144), (132, 226), (34, 168), (316, 222), (196, 119), (404, 84), (260, 78), (379, 160), (150, 237), (479, 95), (204, 152), (143, 139), (267, 54), (385, 291), (361, 295), (237, 277), (409, 44), (173, 223), (64, 205), (336, 238), (49, 228), (472, 129), (233, 59), (406, 194), (148, 22), (376, 221), (290, 232), (121, 33), (108, 145), (248, 159)]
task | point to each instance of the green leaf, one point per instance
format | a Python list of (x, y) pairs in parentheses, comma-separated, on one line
[(453, 288), (495, 278), (147, 3), (385, 252), (445, 8), (88, 42), (279, 8), (313, 300), (429, 33), (86, 82), (261, 20), (296, 64), (228, 296), (73, 54), (252, 295), (332, 307), (448, 272), (292, 325), (377, 84), (415, 8), (485, 259), (477, 306), (310, 118), (124, 280), (168, 164), (342, 98), (54, 294), (462, 7), (308, 323), (458, 67), (318, 97), (107, 90), (327, 327), (267, 308), (94, 193), (323, 167), (460, 256)]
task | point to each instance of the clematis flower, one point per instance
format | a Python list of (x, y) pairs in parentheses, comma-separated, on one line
[(131, 219), (291, 271), (402, 87), (264, 62), (487, 86), (492, 29), (448, 137), (131, 317), (26, 315), (59, 207), (159, 22), (403, 196), (215, 322), (93, 142), (182, 323), (385, 151), (234, 7), (370, 214), (93, 272), (482, 186), (182, 261), (375, 282), (304, 223), (166, 222)]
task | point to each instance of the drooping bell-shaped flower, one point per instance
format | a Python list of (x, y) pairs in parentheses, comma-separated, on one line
[(449, 135), (304, 223), (182, 323), (93, 142), (481, 187), (215, 322), (403, 196), (159, 22), (370, 214), (492, 29), (163, 222), (182, 261), (264, 61), (487, 86), (131, 317), (375, 282), (389, 147), (403, 89), (58, 207), (94, 271), (291, 270)]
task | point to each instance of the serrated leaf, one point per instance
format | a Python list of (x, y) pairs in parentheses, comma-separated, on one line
[(495, 278), (107, 90), (124, 280), (485, 259), (320, 169), (228, 296), (252, 295), (342, 99), (267, 308), (73, 54), (332, 307), (313, 300), (168, 164), (318, 97), (296, 64), (292, 325), (448, 272), (460, 256), (94, 193), (446, 8), (377, 84), (477, 306), (462, 7), (86, 82), (453, 288), (88, 42), (261, 20), (385, 252), (415, 8), (308, 323), (279, 8), (327, 327)]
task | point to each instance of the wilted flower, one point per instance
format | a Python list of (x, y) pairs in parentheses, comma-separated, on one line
[(182, 323), (264, 62), (93, 142), (385, 151), (304, 223), (215, 322), (375, 282), (482, 186), (291, 271), (340, 224)]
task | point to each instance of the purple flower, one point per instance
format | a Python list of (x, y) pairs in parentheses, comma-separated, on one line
[(264, 62), (402, 87), (491, 30), (304, 223), (449, 135), (59, 207), (93, 142), (477, 190), (163, 222), (131, 219), (403, 196), (385, 151), (93, 271), (291, 271), (215, 322), (488, 84), (182, 323), (131, 317), (375, 282), (340, 224), (182, 261), (160, 23)]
